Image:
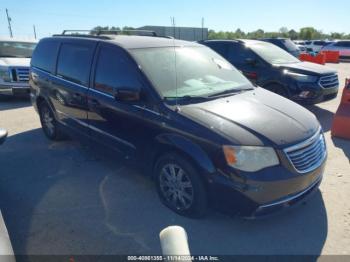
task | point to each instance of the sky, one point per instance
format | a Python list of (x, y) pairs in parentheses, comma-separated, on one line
[(51, 17)]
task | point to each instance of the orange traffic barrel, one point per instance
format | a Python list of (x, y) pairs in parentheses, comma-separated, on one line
[(319, 58), (331, 56), (341, 120)]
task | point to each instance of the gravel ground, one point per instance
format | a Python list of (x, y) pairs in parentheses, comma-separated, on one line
[(63, 198)]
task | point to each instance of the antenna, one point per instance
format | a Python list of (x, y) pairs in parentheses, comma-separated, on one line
[(9, 22), (176, 102)]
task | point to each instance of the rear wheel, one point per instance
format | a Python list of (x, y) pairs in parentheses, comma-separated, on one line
[(278, 89), (180, 187), (49, 123)]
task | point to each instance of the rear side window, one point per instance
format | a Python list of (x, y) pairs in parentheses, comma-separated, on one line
[(238, 54), (321, 43), (44, 56), (221, 48), (115, 70), (343, 44), (74, 62)]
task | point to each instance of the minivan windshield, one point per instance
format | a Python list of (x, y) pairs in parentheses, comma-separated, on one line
[(189, 71), (272, 54), (16, 49)]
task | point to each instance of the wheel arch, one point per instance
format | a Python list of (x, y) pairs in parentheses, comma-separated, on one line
[(186, 148)]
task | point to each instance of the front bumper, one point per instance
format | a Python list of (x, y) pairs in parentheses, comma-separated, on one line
[(14, 89), (264, 192), (318, 94)]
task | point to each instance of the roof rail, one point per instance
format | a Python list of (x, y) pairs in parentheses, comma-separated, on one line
[(105, 33)]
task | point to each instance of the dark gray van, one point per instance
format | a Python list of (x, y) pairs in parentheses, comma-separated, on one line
[(186, 116)]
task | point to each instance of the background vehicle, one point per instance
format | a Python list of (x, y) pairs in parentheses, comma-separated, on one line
[(15, 57), (174, 107), (3, 135), (284, 43), (316, 45), (302, 48), (343, 46), (276, 70)]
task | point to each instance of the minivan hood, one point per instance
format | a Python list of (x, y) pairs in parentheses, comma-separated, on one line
[(307, 68), (256, 117), (14, 61)]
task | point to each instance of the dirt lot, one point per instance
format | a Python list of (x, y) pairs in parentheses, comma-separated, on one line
[(63, 198)]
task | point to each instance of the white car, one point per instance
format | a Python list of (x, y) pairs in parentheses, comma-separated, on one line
[(315, 45), (343, 46), (15, 58), (302, 48)]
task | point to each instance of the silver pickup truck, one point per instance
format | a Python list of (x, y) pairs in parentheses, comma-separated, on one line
[(15, 58)]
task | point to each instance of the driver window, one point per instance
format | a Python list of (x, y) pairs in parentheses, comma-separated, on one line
[(115, 70)]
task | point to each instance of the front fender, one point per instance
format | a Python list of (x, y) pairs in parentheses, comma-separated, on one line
[(188, 147)]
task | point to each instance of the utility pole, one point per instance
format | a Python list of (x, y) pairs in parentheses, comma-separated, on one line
[(34, 31), (172, 19), (202, 28), (9, 22)]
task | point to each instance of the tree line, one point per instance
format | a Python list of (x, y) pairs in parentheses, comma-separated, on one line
[(306, 33)]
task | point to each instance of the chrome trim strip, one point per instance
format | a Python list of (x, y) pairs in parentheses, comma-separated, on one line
[(146, 109), (304, 143), (97, 130), (101, 93), (292, 197), (322, 157)]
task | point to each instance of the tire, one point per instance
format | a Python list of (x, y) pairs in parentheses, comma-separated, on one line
[(278, 89), (49, 123), (185, 194)]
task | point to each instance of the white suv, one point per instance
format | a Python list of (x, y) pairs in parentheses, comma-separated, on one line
[(15, 58), (315, 45)]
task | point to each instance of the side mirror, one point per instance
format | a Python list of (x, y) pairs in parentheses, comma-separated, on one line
[(251, 61), (3, 135), (127, 94)]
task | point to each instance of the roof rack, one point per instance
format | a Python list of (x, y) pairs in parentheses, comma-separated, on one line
[(105, 34)]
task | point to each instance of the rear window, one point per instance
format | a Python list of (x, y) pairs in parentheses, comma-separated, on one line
[(343, 44), (44, 56), (321, 43), (289, 45), (74, 62)]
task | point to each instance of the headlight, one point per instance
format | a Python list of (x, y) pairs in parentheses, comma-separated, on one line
[(302, 77), (5, 74), (250, 158)]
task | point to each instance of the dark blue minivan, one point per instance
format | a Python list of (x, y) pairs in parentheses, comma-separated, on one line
[(182, 113)]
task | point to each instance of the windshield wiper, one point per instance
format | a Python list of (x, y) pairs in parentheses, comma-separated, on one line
[(229, 92), (186, 97)]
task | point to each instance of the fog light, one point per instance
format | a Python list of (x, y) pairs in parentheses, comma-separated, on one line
[(304, 94)]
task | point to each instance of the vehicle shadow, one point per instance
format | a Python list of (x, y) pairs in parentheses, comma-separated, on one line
[(343, 145), (9, 102), (324, 116), (63, 198)]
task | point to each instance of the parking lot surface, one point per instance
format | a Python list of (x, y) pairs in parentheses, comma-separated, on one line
[(65, 198)]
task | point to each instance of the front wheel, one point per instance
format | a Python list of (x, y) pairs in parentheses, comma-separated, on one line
[(180, 187)]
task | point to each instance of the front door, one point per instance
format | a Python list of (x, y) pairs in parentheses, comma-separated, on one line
[(115, 123)]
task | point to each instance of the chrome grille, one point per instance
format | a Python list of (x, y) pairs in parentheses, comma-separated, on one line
[(329, 81), (20, 74), (309, 154)]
